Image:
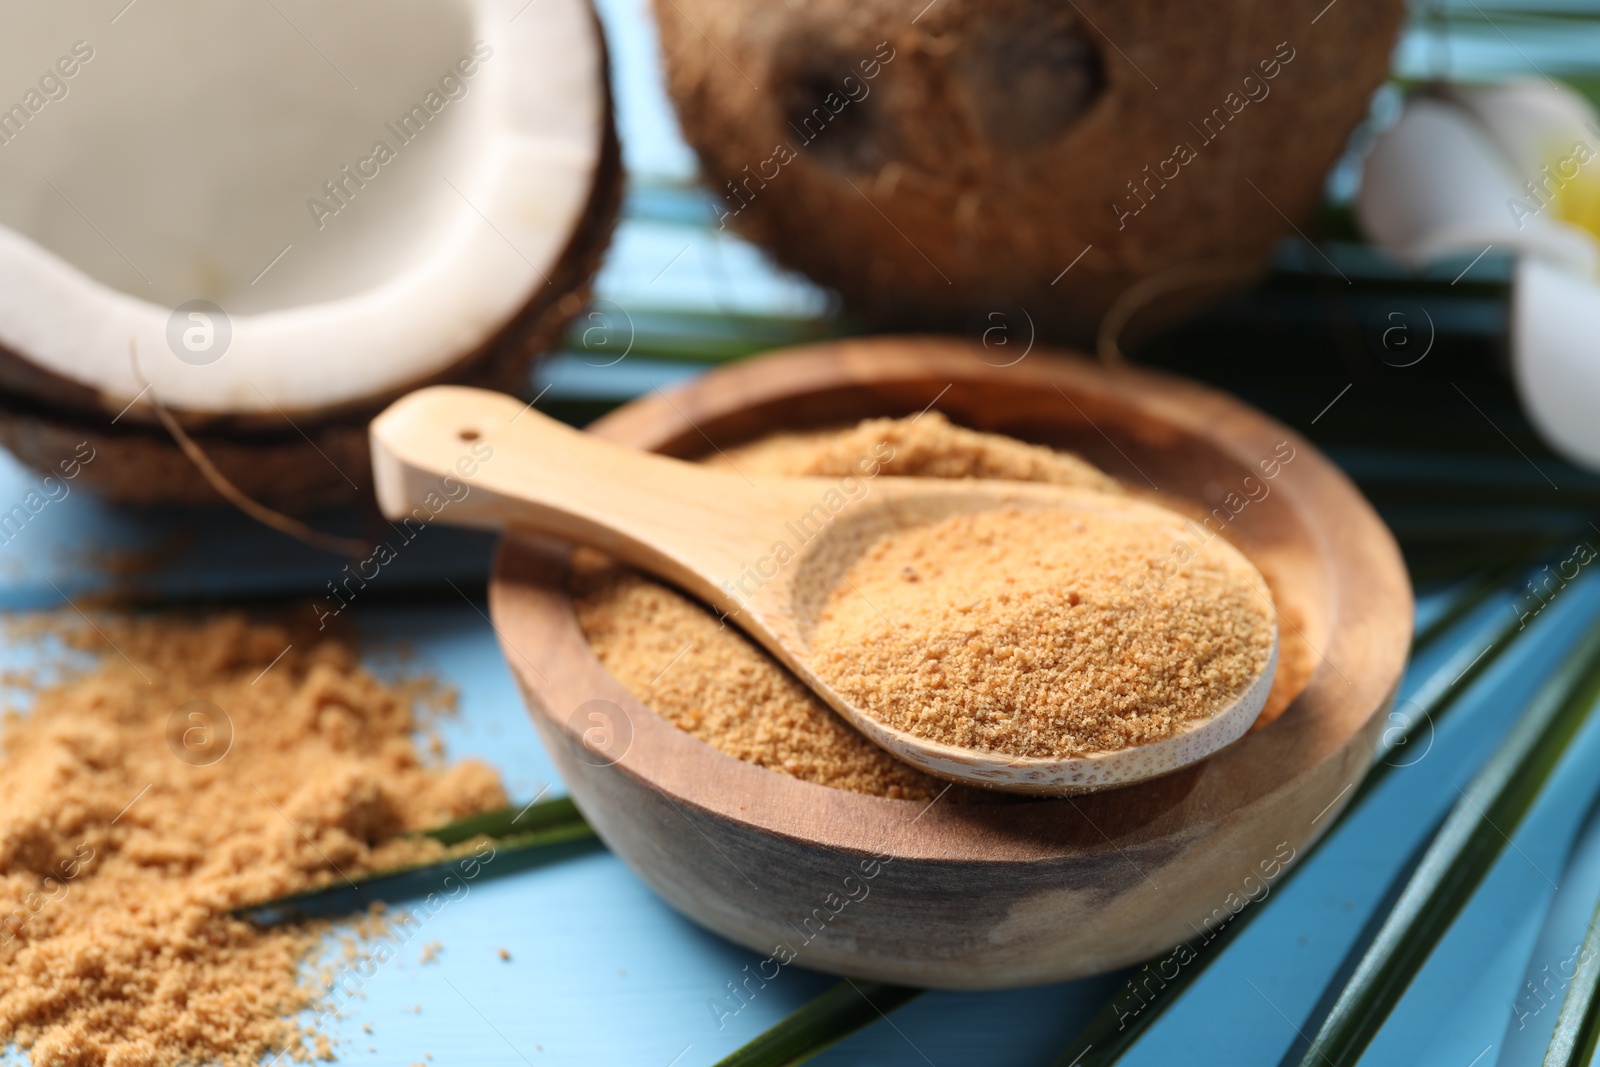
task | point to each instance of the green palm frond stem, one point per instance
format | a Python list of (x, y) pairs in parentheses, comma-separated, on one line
[(1490, 16), (1112, 1032), (541, 819), (826, 1019), (1484, 563), (673, 334), (542, 827), (1577, 1033), (1504, 574), (1460, 855)]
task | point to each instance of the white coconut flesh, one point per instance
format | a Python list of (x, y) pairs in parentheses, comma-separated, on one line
[(369, 190)]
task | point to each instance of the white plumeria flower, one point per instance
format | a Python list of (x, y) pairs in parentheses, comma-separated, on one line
[(1515, 167)]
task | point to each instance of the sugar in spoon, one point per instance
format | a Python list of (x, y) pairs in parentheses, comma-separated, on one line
[(482, 459)]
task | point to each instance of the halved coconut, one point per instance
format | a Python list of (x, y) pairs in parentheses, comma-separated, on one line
[(275, 218), (946, 163)]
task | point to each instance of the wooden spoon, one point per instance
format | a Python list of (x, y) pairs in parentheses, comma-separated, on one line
[(470, 457)]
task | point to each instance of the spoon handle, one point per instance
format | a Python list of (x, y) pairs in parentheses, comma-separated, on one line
[(471, 457)]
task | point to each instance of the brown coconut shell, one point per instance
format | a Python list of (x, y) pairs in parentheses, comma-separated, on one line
[(993, 141), (144, 466), (301, 460)]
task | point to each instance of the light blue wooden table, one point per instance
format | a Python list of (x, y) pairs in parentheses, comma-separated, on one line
[(602, 972)]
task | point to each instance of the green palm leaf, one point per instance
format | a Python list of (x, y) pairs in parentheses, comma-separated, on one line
[(542, 819), (547, 829), (1577, 1032), (1110, 1034), (1461, 853), (839, 1012)]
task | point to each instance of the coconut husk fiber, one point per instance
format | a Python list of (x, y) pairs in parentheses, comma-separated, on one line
[(970, 153)]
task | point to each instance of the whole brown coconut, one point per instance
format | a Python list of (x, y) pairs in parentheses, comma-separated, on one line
[(976, 156)]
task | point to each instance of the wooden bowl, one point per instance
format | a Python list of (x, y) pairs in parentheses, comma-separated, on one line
[(992, 895)]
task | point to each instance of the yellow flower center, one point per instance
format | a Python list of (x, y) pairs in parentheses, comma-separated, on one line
[(1578, 200)]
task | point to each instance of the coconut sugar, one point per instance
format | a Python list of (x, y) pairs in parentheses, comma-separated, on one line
[(1041, 633), (129, 829), (711, 680), (718, 685), (921, 446)]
